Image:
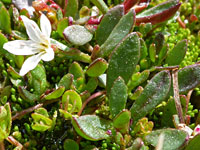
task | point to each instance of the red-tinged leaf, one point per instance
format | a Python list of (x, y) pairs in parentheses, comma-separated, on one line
[(139, 8), (144, 1), (159, 13), (128, 4)]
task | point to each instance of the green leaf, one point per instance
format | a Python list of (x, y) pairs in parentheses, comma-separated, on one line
[(40, 127), (77, 35), (189, 78), (27, 96), (7, 1), (159, 41), (19, 35), (5, 24), (55, 94), (168, 111), (73, 98), (153, 94), (118, 97), (42, 111), (13, 73), (173, 138), (177, 54), (70, 144), (91, 127), (163, 54), (101, 5), (152, 52), (76, 55), (122, 121), (5, 121), (59, 45), (143, 49), (137, 79), (109, 21), (123, 60), (76, 70), (65, 114), (66, 81), (62, 24), (194, 143), (5, 92), (71, 8), (2, 42), (92, 85), (123, 27), (97, 67), (38, 80), (159, 13), (39, 117)]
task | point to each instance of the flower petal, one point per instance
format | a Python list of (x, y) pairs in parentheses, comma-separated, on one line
[(21, 47), (30, 63), (49, 55), (45, 25), (32, 29)]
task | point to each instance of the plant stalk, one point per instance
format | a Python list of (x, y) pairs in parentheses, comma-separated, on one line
[(176, 95)]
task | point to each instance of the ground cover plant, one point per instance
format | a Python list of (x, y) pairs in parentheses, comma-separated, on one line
[(99, 75)]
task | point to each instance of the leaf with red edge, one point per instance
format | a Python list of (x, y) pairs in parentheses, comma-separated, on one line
[(128, 4), (159, 13)]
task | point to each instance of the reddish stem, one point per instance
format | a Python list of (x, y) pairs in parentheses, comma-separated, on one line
[(13, 141), (181, 23), (26, 111), (2, 147), (95, 95), (31, 109), (176, 95)]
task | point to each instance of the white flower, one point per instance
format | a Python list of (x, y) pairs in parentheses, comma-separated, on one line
[(39, 44)]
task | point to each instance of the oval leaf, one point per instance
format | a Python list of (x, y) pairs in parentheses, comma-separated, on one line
[(177, 54), (74, 100), (5, 23), (189, 78), (122, 121), (109, 21), (159, 13), (66, 81), (77, 35), (71, 8), (173, 138), (55, 94), (70, 144), (118, 97), (97, 67), (62, 24), (91, 127), (124, 26), (153, 94), (76, 70), (123, 60), (194, 143)]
